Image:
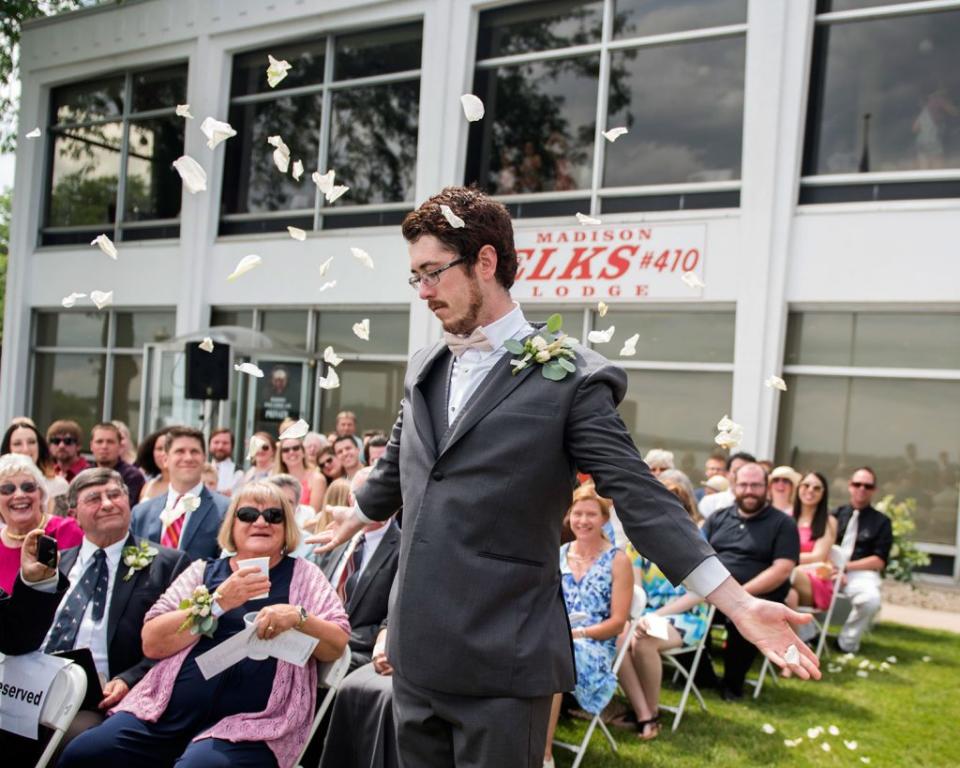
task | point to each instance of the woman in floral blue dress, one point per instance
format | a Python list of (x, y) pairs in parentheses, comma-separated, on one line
[(597, 587)]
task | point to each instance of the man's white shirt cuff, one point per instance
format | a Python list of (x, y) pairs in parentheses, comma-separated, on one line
[(48, 585), (706, 577), (358, 513)]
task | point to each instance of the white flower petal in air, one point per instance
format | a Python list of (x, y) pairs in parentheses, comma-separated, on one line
[(725, 424), (812, 733), (69, 301), (362, 329), (775, 382), (588, 221), (602, 309), (727, 440), (851, 745), (324, 181), (277, 71), (833, 730), (336, 193), (601, 337), (329, 356), (296, 233), (452, 219), (825, 746), (297, 171), (325, 266), (472, 107), (281, 155), (363, 257), (183, 110), (192, 173), (792, 656), (295, 431), (106, 245), (245, 265), (325, 286), (767, 728), (691, 279), (614, 133), (216, 131), (256, 443), (630, 346), (34, 134), (330, 381), (248, 368), (207, 344), (101, 298)]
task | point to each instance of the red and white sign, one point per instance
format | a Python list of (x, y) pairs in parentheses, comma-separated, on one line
[(617, 261)]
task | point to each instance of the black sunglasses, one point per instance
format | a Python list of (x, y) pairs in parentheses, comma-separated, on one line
[(273, 515), (65, 440), (28, 486), (867, 486), (291, 448)]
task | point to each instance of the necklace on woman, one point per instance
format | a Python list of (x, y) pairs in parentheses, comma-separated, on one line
[(21, 536), (586, 558)]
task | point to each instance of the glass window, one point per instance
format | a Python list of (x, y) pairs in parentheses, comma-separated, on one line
[(125, 402), (639, 18), (68, 386), (884, 95), (908, 430), (371, 390), (832, 6), (696, 337), (286, 327), (71, 329), (242, 318), (540, 26), (874, 339), (538, 134), (93, 129), (377, 52), (688, 428), (696, 136), (134, 329), (389, 332)]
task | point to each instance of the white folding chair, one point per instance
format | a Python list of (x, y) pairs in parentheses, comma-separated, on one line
[(329, 676), (670, 657), (636, 611), (61, 706), (821, 618)]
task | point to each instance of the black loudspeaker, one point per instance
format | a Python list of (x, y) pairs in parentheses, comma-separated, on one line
[(208, 373)]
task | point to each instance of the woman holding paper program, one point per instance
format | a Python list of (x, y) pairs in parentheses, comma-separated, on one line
[(255, 713)]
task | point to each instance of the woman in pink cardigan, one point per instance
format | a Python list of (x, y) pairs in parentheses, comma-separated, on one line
[(256, 713)]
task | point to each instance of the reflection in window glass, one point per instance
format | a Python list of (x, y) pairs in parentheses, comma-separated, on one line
[(373, 140), (242, 318), (639, 18), (908, 430), (885, 95), (159, 88), (80, 102), (692, 337), (832, 6), (134, 329), (542, 26), (286, 327), (71, 329), (819, 338), (68, 386), (84, 174), (377, 52), (125, 402), (251, 180), (388, 332), (152, 191), (306, 67), (676, 411), (696, 137), (538, 132), (371, 390)]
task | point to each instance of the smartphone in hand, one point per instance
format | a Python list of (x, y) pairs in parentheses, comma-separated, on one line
[(47, 551)]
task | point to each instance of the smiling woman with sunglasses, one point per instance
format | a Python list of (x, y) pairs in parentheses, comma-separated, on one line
[(255, 712), (292, 459), (23, 497)]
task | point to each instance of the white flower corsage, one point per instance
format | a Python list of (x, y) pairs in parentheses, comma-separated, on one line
[(550, 349), (200, 620), (137, 557)]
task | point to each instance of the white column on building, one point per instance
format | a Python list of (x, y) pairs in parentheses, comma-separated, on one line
[(779, 39)]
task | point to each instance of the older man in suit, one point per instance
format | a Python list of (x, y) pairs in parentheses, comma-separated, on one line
[(108, 597), (483, 457), (188, 517)]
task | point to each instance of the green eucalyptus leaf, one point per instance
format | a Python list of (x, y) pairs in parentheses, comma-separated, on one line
[(552, 372), (554, 323), (513, 346), (206, 624), (566, 364)]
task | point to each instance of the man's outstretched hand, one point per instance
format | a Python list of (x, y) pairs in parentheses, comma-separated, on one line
[(344, 527), (767, 626)]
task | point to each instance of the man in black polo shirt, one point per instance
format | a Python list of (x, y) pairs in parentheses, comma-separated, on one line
[(760, 546), (870, 544)]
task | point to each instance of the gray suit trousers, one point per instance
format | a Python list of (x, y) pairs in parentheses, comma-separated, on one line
[(441, 730)]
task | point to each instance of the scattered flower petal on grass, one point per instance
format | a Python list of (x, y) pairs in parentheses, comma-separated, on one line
[(207, 344), (891, 659), (767, 728), (248, 368), (601, 337), (833, 730), (865, 760), (245, 265), (851, 745), (472, 107), (814, 732), (587, 221), (864, 664), (862, 673), (825, 746), (614, 133), (792, 742), (926, 659)]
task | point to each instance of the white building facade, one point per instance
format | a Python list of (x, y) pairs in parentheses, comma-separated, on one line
[(800, 157)]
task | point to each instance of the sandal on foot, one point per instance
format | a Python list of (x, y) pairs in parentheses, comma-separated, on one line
[(654, 723)]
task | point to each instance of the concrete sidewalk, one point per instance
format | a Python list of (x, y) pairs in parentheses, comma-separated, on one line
[(924, 618)]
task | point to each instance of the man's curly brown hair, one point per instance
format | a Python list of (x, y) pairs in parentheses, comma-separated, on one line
[(487, 222)]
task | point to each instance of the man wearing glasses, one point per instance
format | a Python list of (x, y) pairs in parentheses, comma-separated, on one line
[(65, 438), (871, 541)]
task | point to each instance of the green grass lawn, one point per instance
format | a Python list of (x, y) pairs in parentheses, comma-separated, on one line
[(908, 715)]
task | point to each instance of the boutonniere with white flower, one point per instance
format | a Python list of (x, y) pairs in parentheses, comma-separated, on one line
[(137, 557), (550, 349), (200, 620)]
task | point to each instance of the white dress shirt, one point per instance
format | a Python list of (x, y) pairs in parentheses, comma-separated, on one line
[(371, 540), (93, 634)]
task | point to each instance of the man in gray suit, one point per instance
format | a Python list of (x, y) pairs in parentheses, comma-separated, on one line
[(482, 457)]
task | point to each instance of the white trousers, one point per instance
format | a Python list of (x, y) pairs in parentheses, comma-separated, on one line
[(863, 589)]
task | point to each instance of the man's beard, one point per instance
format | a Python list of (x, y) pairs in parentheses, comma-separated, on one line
[(221, 455), (749, 503), (469, 322)]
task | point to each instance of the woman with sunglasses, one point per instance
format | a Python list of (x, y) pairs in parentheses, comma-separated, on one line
[(292, 460), (23, 498), (812, 579), (261, 454), (256, 712), (24, 438), (329, 464)]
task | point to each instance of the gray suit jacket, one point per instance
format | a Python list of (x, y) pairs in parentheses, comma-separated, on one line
[(479, 610), (199, 537)]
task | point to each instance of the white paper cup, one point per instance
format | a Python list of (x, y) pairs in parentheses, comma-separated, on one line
[(263, 563), (250, 619)]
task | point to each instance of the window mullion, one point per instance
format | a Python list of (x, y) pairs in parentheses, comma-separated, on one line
[(325, 108), (603, 88), (124, 152), (107, 409)]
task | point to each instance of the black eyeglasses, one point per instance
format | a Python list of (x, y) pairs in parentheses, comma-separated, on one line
[(326, 461), (865, 486), (291, 448), (67, 440), (28, 486), (432, 277), (273, 515)]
